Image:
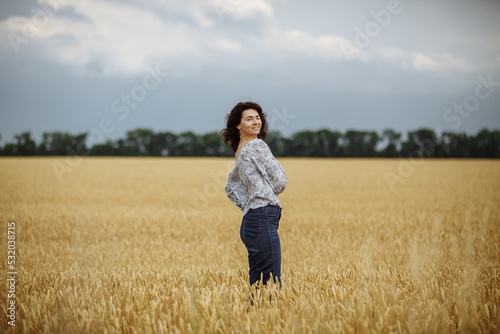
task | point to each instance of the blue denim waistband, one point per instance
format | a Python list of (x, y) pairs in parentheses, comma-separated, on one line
[(264, 208)]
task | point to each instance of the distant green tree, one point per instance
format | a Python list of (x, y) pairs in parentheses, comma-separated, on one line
[(275, 141), (25, 145), (166, 144), (281, 146), (486, 144), (321, 143), (328, 143), (140, 142), (62, 143), (394, 140), (302, 144), (422, 142), (10, 149), (106, 149), (120, 148), (212, 145), (78, 143), (454, 145), (188, 144), (360, 143)]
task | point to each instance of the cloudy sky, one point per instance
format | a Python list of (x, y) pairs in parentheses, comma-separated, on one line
[(109, 66)]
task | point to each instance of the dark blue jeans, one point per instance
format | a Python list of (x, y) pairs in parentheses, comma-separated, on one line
[(259, 233)]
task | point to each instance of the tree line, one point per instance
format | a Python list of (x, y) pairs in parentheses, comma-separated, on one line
[(321, 143)]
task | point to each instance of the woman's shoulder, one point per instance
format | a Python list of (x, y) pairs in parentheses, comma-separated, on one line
[(257, 147), (257, 143)]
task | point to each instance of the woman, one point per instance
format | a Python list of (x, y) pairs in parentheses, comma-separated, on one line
[(253, 185)]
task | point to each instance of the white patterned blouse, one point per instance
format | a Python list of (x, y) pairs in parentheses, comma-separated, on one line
[(257, 177)]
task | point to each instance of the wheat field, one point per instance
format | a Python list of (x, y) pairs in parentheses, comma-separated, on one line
[(151, 245)]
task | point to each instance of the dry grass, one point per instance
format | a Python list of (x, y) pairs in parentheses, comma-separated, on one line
[(145, 245)]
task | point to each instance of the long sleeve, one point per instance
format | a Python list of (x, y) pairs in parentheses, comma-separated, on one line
[(268, 166), (233, 197)]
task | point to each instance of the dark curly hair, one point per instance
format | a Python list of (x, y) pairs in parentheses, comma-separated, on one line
[(231, 135)]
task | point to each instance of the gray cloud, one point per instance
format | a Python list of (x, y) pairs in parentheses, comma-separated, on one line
[(283, 54), (20, 7)]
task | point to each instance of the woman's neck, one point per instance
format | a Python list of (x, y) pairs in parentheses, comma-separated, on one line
[(245, 139)]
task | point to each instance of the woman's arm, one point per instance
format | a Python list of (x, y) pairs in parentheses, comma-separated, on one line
[(267, 164), (232, 196)]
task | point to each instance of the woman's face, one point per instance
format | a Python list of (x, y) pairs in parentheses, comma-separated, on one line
[(250, 123)]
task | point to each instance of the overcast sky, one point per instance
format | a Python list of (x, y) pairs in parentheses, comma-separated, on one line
[(175, 65)]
